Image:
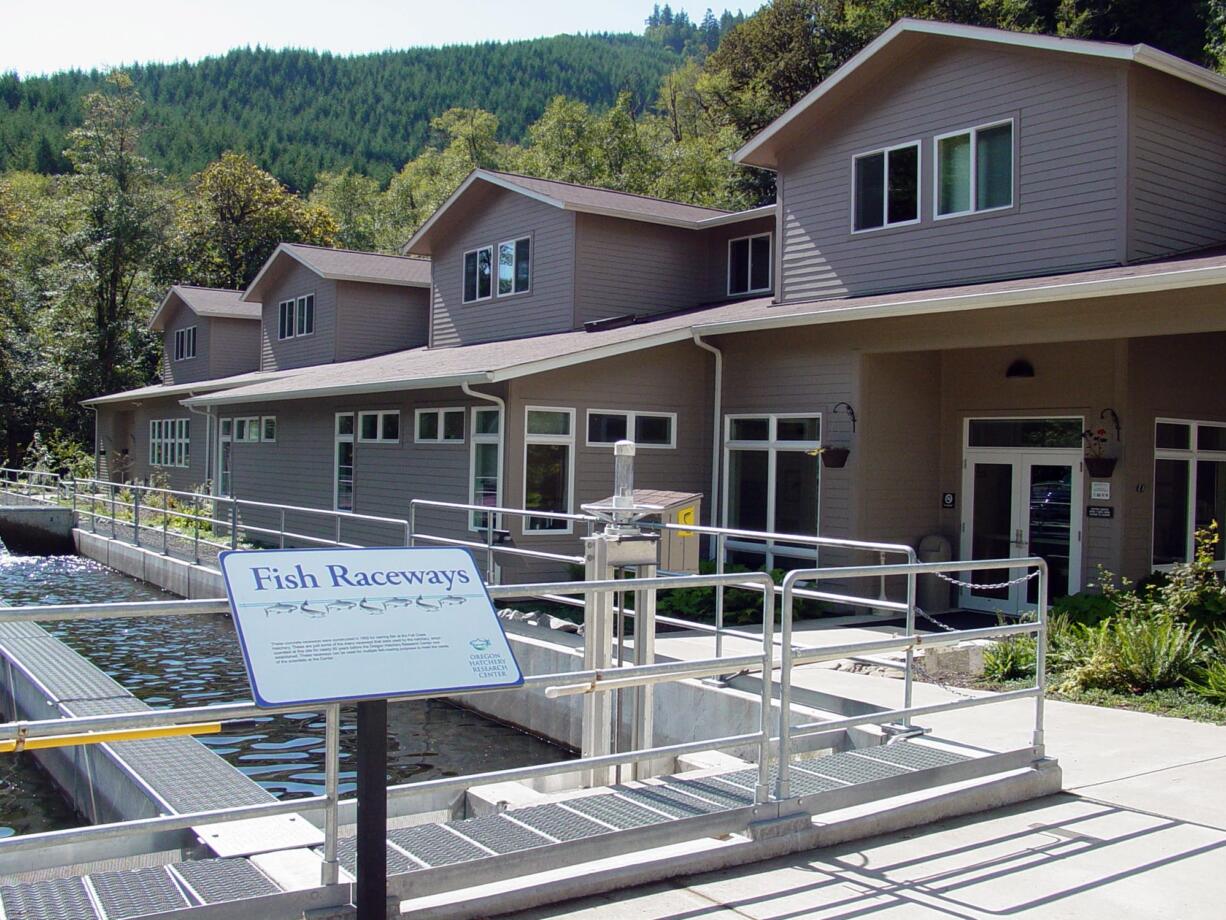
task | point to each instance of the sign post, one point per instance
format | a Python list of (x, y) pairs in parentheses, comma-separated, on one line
[(365, 625)]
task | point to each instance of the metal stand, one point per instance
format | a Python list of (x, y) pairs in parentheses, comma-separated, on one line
[(370, 897)]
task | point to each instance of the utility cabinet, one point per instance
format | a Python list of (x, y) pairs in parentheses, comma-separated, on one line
[(679, 549)]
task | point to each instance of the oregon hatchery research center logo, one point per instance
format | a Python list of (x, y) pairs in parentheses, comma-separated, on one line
[(480, 645)]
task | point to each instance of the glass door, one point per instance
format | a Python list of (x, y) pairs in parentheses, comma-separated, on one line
[(1019, 504)]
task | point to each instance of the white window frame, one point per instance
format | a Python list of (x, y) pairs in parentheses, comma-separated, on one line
[(170, 442), (441, 426), (497, 264), (489, 247), (380, 437), (484, 438), (264, 420), (337, 440), (250, 425), (770, 265), (773, 446), (885, 179), (281, 319), (300, 312), (631, 417), (225, 435), (185, 343), (1191, 455), (565, 440), (974, 169)]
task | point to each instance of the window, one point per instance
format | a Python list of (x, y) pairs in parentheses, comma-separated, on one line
[(342, 453), (268, 428), (514, 267), (185, 343), (478, 274), (749, 264), (648, 429), (548, 466), (1189, 487), (974, 170), (306, 315), (169, 442), (225, 456), (285, 319), (886, 187), (771, 482), (247, 430), (439, 425), (485, 465), (379, 426), (296, 316)]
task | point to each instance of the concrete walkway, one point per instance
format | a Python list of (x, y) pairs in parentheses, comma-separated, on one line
[(1140, 832)]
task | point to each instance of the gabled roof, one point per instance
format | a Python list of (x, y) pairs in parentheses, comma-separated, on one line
[(587, 199), (347, 265), (204, 301), (140, 394), (491, 362), (900, 39)]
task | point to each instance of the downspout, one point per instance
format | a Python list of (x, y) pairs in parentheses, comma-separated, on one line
[(97, 441), (717, 404), (208, 435), (503, 441)]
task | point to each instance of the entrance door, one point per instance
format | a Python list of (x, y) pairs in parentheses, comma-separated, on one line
[(1021, 503)]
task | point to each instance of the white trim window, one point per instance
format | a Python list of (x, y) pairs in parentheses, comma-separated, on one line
[(485, 466), (342, 462), (514, 267), (439, 426), (549, 466), (772, 483), (296, 317), (646, 429), (1189, 488), (170, 442), (247, 430), (225, 455), (478, 274), (185, 343), (379, 427), (973, 170), (886, 187), (749, 264), (268, 429)]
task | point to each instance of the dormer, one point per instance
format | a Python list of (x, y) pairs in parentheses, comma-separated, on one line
[(206, 333), (945, 154), (516, 256), (324, 305)]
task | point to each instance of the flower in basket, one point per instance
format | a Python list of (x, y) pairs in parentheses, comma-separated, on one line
[(1096, 442)]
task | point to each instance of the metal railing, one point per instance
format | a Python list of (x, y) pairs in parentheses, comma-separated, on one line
[(35, 484), (773, 739)]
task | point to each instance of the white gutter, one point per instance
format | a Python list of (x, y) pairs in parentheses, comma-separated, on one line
[(717, 403), (343, 389), (503, 443), (208, 431)]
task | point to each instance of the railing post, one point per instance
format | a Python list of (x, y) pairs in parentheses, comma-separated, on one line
[(196, 530), (908, 680), (762, 792), (112, 511), (332, 757), (233, 522), (785, 691), (281, 533), (412, 534), (720, 548), (165, 523), (136, 515), (93, 509), (1040, 660), (489, 548), (338, 530)]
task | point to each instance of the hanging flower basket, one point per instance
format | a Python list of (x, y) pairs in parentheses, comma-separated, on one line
[(1100, 467), (835, 457)]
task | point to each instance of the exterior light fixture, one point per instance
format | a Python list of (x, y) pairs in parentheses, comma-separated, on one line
[(1019, 369)]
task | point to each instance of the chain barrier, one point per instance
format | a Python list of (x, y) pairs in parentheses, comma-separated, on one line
[(971, 586)]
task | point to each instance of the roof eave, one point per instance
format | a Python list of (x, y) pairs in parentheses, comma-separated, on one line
[(345, 389)]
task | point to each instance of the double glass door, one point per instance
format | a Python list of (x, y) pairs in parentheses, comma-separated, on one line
[(1021, 503)]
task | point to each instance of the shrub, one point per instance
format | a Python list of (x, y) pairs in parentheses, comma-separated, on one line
[(1138, 655), (1191, 592), (1210, 682), (1009, 659), (1070, 645), (1090, 609)]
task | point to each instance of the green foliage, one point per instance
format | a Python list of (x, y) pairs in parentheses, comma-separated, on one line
[(58, 454), (1210, 682), (1191, 592), (1084, 607), (1009, 659), (740, 604), (1138, 655)]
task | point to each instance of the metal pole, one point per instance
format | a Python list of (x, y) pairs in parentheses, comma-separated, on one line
[(762, 792), (1040, 660), (332, 769), (412, 524), (196, 528), (136, 515), (112, 511), (282, 531), (338, 530), (370, 896), (720, 548), (166, 524), (644, 653), (907, 688), (489, 547), (233, 523), (785, 690)]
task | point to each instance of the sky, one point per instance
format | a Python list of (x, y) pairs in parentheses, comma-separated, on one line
[(37, 38)]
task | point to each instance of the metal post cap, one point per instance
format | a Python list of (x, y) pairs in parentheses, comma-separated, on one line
[(623, 449)]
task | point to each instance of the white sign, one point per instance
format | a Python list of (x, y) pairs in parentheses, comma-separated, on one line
[(1100, 491), (328, 625)]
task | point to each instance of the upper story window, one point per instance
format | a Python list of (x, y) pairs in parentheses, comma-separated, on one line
[(649, 429), (974, 170), (296, 317), (749, 264), (514, 267), (185, 343), (379, 426), (478, 274), (886, 187), (440, 425)]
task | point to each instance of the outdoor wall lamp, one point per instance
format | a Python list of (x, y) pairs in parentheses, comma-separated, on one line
[(1020, 368), (850, 412)]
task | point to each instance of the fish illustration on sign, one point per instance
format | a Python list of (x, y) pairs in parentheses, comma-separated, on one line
[(340, 606), (375, 609), (427, 604), (450, 600), (315, 613), (397, 603), (279, 609)]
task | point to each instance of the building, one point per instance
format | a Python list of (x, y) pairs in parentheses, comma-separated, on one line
[(986, 245)]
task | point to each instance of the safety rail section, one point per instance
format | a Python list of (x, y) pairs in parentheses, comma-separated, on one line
[(597, 822)]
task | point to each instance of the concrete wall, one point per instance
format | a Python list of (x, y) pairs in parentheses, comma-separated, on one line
[(36, 530)]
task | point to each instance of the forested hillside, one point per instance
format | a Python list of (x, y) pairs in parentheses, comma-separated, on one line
[(298, 113)]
